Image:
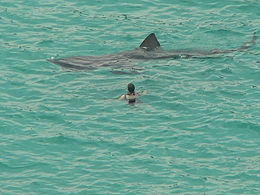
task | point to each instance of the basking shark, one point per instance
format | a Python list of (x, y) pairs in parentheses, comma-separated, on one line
[(150, 49)]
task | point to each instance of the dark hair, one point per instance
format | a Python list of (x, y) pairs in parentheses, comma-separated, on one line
[(131, 88)]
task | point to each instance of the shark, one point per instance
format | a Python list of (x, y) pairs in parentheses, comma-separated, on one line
[(149, 49)]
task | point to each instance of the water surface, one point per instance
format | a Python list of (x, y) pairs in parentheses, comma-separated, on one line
[(62, 132)]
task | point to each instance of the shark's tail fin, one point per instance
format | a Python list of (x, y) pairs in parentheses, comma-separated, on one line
[(248, 44), (244, 47)]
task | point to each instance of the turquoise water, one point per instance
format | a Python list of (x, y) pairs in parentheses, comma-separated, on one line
[(62, 132)]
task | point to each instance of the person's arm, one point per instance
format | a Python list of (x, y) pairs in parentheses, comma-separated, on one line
[(122, 97), (142, 93)]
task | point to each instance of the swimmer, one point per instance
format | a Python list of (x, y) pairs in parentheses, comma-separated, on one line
[(132, 97)]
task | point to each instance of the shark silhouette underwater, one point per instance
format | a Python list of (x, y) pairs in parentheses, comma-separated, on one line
[(150, 49)]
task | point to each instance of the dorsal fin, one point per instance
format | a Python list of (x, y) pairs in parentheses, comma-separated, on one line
[(150, 42)]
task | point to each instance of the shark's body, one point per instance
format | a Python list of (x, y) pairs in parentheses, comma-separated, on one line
[(150, 48)]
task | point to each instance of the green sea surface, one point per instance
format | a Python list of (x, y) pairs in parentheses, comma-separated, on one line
[(62, 131)]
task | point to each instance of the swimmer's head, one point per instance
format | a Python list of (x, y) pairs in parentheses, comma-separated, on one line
[(131, 88)]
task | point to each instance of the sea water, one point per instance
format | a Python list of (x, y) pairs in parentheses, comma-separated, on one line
[(197, 131)]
